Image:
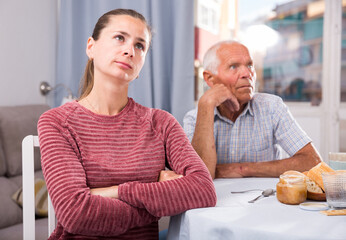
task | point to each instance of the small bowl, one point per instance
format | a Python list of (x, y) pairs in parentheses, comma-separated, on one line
[(316, 196)]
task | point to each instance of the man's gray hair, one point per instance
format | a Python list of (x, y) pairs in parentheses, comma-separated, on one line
[(211, 61)]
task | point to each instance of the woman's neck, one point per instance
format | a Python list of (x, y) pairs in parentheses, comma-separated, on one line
[(106, 99)]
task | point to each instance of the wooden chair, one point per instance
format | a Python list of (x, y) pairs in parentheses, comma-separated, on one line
[(28, 145)]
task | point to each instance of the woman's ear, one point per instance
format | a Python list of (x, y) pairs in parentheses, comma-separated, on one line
[(90, 48), (208, 78)]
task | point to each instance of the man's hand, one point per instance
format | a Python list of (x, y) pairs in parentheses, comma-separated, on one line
[(166, 175), (303, 160), (219, 94), (229, 170)]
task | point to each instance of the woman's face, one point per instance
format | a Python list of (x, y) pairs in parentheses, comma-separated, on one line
[(120, 51)]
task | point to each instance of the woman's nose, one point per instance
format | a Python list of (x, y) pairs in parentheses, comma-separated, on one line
[(129, 51)]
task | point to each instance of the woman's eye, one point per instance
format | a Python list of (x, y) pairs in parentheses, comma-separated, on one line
[(139, 46), (119, 37)]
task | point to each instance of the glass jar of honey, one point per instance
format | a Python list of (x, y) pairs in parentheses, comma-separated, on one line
[(291, 189)]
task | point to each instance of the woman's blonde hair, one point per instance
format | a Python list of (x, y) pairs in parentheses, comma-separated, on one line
[(87, 81)]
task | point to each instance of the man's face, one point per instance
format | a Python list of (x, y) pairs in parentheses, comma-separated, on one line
[(236, 71)]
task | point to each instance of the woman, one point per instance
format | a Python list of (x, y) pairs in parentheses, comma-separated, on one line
[(103, 157)]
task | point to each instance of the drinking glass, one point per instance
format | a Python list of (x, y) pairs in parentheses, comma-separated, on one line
[(335, 188)]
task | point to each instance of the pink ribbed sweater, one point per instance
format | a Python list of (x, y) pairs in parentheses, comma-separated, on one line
[(82, 150)]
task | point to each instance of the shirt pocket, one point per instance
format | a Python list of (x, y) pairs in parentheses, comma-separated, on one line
[(260, 141), (260, 148)]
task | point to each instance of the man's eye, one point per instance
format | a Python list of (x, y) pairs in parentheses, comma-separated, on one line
[(119, 37), (250, 66), (139, 46), (233, 67)]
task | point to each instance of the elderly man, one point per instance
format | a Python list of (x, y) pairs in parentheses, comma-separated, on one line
[(236, 131)]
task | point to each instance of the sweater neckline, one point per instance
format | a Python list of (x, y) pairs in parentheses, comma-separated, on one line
[(102, 117)]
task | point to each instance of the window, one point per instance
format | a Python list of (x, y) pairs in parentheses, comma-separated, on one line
[(208, 16), (287, 45)]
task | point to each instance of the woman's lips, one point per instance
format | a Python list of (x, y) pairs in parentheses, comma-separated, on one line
[(124, 65)]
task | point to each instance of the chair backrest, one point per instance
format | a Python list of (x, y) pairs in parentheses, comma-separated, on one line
[(28, 145)]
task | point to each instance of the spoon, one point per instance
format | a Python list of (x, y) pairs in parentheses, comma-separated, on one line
[(247, 191), (265, 193)]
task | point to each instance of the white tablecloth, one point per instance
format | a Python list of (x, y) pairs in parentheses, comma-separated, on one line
[(235, 218)]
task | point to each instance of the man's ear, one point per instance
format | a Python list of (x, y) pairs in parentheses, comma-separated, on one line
[(90, 47), (208, 78)]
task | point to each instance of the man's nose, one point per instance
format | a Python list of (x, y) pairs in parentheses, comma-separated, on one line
[(129, 51), (246, 72)]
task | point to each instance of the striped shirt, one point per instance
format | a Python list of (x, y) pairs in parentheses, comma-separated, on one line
[(265, 126), (82, 150)]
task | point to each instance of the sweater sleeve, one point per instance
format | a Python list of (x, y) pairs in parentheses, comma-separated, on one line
[(76, 209), (194, 190)]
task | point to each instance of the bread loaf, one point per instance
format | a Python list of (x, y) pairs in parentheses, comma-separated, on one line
[(315, 173), (312, 186)]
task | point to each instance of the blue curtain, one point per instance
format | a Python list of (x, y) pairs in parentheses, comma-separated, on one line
[(167, 78)]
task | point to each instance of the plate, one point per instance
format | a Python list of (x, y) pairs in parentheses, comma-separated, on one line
[(316, 196), (313, 206)]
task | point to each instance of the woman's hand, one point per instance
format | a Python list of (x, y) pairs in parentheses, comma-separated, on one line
[(111, 192), (166, 175)]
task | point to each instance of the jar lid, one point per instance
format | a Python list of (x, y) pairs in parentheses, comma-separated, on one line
[(292, 179)]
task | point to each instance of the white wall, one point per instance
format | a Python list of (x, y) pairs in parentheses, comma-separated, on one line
[(27, 49)]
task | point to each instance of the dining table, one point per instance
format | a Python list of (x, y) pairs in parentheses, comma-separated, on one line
[(234, 217)]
